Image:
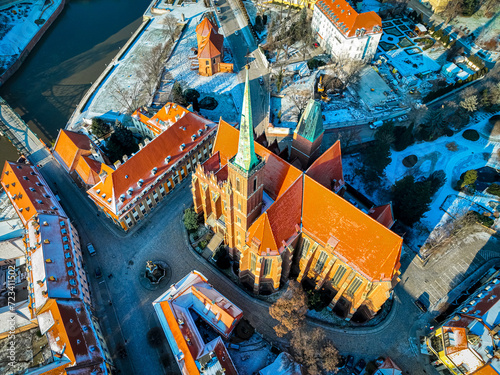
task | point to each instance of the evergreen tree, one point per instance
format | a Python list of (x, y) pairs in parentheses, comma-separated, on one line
[(121, 142), (470, 178), (411, 199), (190, 220), (177, 94), (376, 157), (99, 128), (259, 25)]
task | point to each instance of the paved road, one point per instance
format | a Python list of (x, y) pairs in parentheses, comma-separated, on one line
[(243, 48)]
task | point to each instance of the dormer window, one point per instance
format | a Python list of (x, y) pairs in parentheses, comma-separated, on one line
[(167, 159), (71, 273), (74, 291), (193, 137), (72, 281), (31, 189), (98, 191), (122, 197), (129, 191), (181, 147), (154, 170), (140, 182), (103, 195), (69, 264), (109, 200)]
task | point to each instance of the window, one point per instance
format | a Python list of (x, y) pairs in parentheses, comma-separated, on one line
[(238, 220), (253, 261), (339, 274), (267, 266), (239, 206), (182, 172), (321, 262), (255, 184), (237, 184), (305, 247), (206, 62), (354, 286)]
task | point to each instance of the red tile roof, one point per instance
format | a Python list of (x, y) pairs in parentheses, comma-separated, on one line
[(88, 169), (328, 167), (153, 155), (212, 46), (383, 214), (364, 243), (31, 192), (346, 19)]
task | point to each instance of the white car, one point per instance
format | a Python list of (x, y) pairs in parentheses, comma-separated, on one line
[(236, 33)]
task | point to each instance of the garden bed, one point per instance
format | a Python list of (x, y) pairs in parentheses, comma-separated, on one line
[(387, 46), (471, 135), (413, 51), (393, 31), (405, 42)]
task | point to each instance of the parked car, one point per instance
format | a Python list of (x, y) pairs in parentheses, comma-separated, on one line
[(236, 33), (420, 305), (98, 273), (218, 10), (342, 362), (91, 249), (376, 124), (261, 80), (360, 366), (350, 362)]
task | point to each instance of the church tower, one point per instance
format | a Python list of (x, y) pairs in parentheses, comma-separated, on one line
[(308, 135), (245, 184)]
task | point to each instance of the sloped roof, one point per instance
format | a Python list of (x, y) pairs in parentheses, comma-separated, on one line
[(280, 221), (310, 125), (388, 367), (70, 145), (152, 155), (205, 26), (32, 195), (346, 19), (162, 119), (363, 243), (383, 214), (328, 167), (211, 46), (278, 174), (88, 169)]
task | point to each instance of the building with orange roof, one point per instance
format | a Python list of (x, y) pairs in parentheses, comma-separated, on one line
[(153, 124), (467, 342), (345, 33), (387, 367), (59, 296), (278, 220), (177, 310), (127, 192), (79, 156), (210, 49)]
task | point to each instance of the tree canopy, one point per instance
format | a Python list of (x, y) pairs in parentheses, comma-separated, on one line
[(411, 199), (290, 309), (99, 128), (122, 142)]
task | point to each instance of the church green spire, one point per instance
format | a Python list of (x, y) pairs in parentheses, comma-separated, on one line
[(246, 157)]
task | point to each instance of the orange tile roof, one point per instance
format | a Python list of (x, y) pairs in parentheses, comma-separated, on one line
[(328, 167), (460, 339), (88, 169), (486, 370), (346, 19), (153, 155), (162, 119), (32, 195), (363, 243), (261, 231), (70, 145), (211, 46), (205, 26)]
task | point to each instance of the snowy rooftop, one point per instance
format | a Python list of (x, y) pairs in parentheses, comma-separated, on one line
[(412, 64), (283, 365), (371, 80), (10, 229), (21, 315), (51, 260)]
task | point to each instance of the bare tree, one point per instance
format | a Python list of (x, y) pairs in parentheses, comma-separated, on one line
[(151, 66), (300, 101), (312, 350), (346, 69), (290, 309), (169, 23), (452, 9), (469, 103), (131, 98), (349, 137)]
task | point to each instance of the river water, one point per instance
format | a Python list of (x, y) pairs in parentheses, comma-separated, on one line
[(69, 57)]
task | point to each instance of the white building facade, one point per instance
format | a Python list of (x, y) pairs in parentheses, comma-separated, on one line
[(343, 32)]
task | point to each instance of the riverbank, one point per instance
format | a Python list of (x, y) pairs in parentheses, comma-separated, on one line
[(22, 34)]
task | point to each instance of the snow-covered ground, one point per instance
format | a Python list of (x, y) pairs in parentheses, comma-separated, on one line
[(433, 156), (179, 67), (18, 27)]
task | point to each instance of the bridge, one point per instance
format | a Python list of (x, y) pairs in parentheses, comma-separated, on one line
[(20, 135)]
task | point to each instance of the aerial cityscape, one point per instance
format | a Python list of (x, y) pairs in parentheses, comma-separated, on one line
[(252, 187)]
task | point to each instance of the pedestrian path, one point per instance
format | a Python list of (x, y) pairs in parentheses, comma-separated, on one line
[(20, 135)]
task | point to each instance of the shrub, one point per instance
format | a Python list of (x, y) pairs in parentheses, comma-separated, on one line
[(315, 63), (121, 142), (208, 103), (494, 189), (437, 180), (410, 161), (471, 135), (223, 262), (99, 128), (452, 146), (203, 244), (469, 178), (190, 220), (484, 220)]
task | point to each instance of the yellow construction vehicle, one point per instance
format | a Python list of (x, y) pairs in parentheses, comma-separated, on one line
[(320, 84), (325, 98)]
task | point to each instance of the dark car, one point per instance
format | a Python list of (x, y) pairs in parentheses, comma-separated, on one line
[(261, 80), (421, 305), (98, 273), (360, 366), (350, 362)]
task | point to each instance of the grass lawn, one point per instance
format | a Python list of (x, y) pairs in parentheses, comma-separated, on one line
[(387, 46), (405, 42), (393, 31)]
